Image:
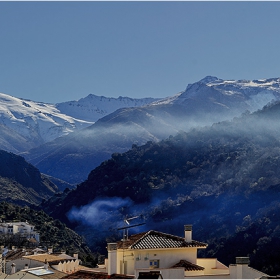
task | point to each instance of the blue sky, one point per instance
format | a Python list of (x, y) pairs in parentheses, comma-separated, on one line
[(61, 51)]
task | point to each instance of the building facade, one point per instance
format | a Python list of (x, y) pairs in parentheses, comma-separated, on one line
[(24, 229), (173, 256)]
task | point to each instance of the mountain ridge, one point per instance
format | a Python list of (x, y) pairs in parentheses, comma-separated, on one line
[(97, 107), (38, 122), (201, 104)]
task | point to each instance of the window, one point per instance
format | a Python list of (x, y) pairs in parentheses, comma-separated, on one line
[(154, 263)]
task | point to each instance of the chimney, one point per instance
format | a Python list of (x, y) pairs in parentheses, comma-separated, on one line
[(46, 265), (13, 268), (50, 250), (242, 260), (76, 256), (188, 233), (241, 263), (26, 266), (112, 258)]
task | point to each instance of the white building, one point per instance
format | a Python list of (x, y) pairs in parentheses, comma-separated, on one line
[(60, 262), (23, 228), (38, 266), (173, 256)]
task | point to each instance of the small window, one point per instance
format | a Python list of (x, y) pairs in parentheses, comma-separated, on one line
[(154, 263)]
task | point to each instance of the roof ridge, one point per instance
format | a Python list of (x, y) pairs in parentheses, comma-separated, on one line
[(138, 240), (168, 234), (158, 239), (188, 265)]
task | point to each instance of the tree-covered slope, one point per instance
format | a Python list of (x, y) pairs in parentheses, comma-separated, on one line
[(53, 233), (214, 177), (240, 156), (209, 100), (22, 183)]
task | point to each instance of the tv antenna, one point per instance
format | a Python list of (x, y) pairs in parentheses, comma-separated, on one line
[(126, 222)]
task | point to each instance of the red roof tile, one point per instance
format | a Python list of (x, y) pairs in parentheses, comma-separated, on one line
[(188, 266)]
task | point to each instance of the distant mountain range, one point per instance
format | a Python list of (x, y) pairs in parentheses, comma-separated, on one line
[(198, 157), (210, 100), (67, 140), (93, 107), (25, 124)]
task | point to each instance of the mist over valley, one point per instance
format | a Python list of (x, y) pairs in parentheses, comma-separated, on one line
[(208, 156), (203, 103)]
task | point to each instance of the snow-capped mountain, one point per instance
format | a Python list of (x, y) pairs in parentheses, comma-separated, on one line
[(208, 101), (38, 122), (239, 95), (93, 107)]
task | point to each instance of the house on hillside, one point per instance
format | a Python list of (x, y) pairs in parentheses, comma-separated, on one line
[(24, 229), (60, 262), (32, 264), (172, 256)]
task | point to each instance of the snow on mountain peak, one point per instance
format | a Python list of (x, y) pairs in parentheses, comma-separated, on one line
[(39, 122), (247, 94), (42, 122), (93, 107)]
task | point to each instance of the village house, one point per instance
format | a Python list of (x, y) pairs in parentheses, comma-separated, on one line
[(171, 257), (38, 264), (35, 264), (144, 255), (24, 229)]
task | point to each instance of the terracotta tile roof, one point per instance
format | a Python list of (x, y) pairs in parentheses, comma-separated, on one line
[(49, 257), (16, 254), (132, 239), (155, 240), (188, 266)]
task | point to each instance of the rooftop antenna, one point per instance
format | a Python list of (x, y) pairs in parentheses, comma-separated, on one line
[(126, 222)]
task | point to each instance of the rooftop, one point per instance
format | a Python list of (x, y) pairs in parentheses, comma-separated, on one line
[(188, 266), (50, 273), (156, 240), (49, 257)]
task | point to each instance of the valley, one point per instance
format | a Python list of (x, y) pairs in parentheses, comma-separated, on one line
[(208, 156)]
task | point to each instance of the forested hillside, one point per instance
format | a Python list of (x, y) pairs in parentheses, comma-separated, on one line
[(223, 179), (53, 233)]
